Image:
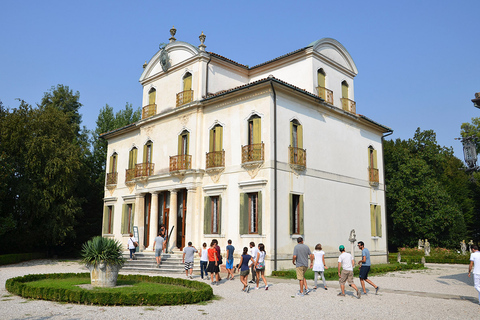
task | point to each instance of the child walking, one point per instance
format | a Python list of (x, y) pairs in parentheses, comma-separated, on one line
[(319, 265)]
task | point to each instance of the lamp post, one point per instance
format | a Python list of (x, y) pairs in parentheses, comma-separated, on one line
[(476, 101)]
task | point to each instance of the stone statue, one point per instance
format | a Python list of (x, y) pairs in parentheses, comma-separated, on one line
[(427, 248), (399, 257), (352, 237), (420, 244), (470, 244), (463, 247)]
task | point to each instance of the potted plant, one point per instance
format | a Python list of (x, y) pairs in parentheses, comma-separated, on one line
[(104, 258)]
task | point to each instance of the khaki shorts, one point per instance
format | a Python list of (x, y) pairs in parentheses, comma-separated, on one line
[(301, 273), (345, 276)]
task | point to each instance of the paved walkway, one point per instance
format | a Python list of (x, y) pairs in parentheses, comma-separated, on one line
[(440, 292)]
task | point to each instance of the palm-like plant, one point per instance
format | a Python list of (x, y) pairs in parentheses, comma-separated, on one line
[(102, 250)]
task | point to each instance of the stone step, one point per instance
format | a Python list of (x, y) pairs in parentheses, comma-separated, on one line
[(145, 262)]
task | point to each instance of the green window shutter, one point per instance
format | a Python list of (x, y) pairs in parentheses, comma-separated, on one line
[(111, 165), (212, 139), (130, 159), (375, 159), (321, 79), (219, 139), (243, 213), (133, 217), (292, 143), (135, 152), (257, 130), (378, 216), (219, 215), (300, 136), (180, 140), (207, 216), (188, 143), (373, 220), (344, 90), (300, 214), (291, 211), (145, 151), (105, 219), (111, 220), (369, 157), (259, 211), (124, 219)]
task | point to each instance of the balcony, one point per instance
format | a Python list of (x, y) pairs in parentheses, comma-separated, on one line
[(143, 170), (149, 111), (180, 163), (297, 158), (349, 105), (129, 175), (112, 178), (215, 159), (325, 94), (253, 153), (184, 97), (373, 176)]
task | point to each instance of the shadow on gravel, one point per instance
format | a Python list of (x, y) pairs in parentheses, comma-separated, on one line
[(462, 277), (39, 262)]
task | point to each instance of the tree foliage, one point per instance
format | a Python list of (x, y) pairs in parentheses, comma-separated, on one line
[(428, 197)]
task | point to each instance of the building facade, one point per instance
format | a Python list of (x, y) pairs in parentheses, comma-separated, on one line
[(266, 154)]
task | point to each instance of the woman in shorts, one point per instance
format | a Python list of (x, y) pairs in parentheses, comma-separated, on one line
[(260, 265), (213, 263), (244, 270)]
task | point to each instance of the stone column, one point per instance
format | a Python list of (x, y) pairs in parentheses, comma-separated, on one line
[(139, 219), (172, 220), (153, 220), (191, 223)]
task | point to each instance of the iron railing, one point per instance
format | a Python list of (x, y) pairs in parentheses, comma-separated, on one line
[(325, 94), (180, 162), (184, 97), (349, 105), (215, 159), (112, 178), (149, 110), (298, 156), (129, 175), (253, 152), (144, 169), (373, 176)]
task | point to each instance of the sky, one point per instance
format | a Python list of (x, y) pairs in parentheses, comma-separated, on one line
[(418, 61)]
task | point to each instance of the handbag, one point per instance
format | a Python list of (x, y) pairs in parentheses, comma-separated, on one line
[(260, 266), (135, 244)]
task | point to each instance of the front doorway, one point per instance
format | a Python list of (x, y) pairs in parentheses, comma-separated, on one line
[(163, 211), (148, 206), (181, 217)]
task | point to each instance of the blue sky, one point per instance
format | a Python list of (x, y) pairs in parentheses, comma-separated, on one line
[(418, 61)]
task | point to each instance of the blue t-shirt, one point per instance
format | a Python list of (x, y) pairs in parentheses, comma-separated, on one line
[(246, 259), (230, 249), (366, 254)]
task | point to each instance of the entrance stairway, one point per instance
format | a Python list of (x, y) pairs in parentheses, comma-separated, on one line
[(171, 263)]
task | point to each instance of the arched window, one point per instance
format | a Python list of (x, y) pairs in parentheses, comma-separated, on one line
[(113, 163), (296, 134), (152, 96), (345, 90), (254, 130), (216, 138), (147, 152), (183, 142), (187, 81), (321, 75), (132, 158)]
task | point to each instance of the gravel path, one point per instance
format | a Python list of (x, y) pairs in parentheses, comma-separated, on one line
[(440, 292)]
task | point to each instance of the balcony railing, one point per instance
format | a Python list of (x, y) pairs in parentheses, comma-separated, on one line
[(349, 105), (149, 111), (144, 169), (112, 178), (298, 157), (215, 159), (253, 152), (373, 176), (129, 175), (184, 97), (180, 162), (325, 94)]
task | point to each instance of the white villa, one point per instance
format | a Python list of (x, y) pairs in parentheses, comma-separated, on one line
[(266, 153)]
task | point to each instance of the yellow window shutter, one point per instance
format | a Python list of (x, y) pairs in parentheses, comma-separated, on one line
[(300, 214), (257, 130), (105, 219), (300, 136), (187, 143), (321, 79), (152, 96), (124, 219), (111, 164), (292, 143), (378, 216), (373, 220), (187, 83), (212, 140), (291, 212), (218, 138), (375, 159), (344, 90), (180, 140)]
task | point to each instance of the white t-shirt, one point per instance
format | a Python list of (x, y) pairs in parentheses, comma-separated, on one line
[(253, 253), (318, 263), (130, 243), (261, 258), (346, 260), (204, 256), (475, 257)]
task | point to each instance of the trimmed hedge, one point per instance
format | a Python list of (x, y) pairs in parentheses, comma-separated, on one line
[(199, 291), (332, 273), (19, 257), (392, 258)]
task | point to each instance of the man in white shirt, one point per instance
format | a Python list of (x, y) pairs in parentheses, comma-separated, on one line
[(253, 253), (475, 264), (345, 264)]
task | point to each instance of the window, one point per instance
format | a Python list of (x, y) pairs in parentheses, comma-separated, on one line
[(113, 163), (187, 81), (216, 138), (296, 214), (108, 220), (254, 130), (251, 213), (372, 158), (147, 152), (127, 218), (183, 142), (152, 96), (132, 158), (344, 89), (321, 75), (296, 134), (212, 217), (376, 220)]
